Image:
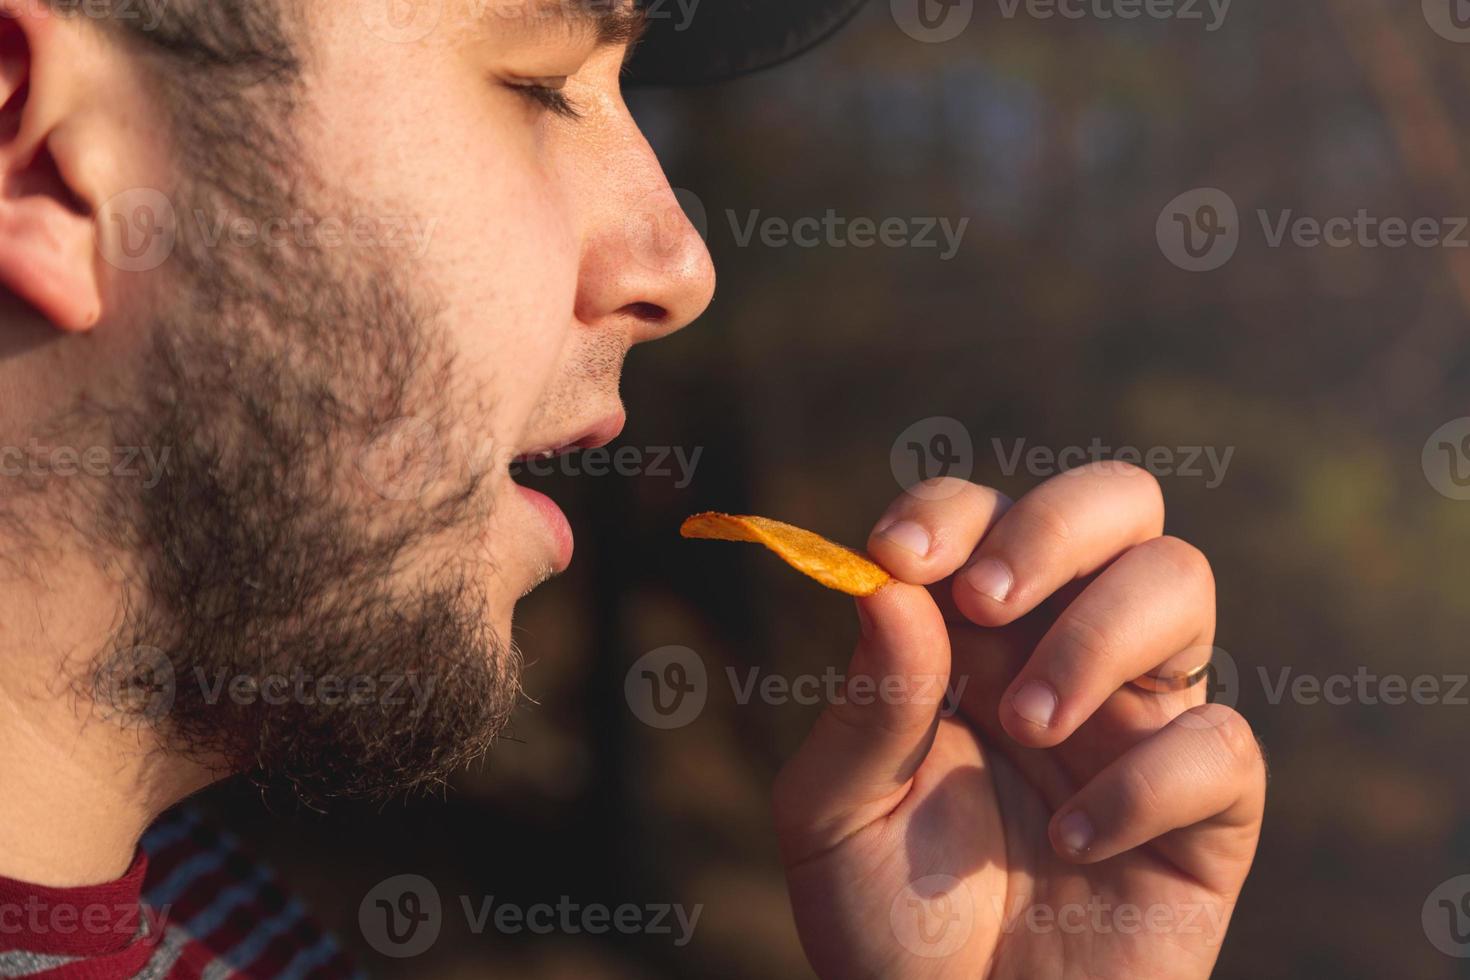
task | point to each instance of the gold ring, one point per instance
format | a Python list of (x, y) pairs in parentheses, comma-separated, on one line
[(1157, 684)]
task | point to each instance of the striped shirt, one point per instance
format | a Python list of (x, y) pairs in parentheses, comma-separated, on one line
[(191, 906)]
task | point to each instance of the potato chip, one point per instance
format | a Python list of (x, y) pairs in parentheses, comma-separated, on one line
[(831, 564)]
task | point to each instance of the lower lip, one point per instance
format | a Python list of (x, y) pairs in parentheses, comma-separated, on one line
[(556, 523)]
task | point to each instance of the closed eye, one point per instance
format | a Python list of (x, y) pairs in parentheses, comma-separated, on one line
[(547, 94)]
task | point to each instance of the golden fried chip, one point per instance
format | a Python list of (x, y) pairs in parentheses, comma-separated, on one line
[(831, 564)]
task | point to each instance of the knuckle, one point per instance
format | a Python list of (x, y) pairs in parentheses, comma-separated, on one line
[(1186, 562), (1043, 520), (1082, 646), (1233, 734), (1141, 796)]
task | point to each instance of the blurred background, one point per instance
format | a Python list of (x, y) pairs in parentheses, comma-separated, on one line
[(1301, 398)]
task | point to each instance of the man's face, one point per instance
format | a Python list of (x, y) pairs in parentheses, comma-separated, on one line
[(431, 265), (497, 129)]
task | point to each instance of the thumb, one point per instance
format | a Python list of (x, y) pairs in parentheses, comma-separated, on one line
[(856, 765)]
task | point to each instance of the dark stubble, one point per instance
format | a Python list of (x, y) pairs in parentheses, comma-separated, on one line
[(284, 616)]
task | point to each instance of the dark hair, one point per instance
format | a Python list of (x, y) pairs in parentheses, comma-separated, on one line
[(251, 38), (226, 74)]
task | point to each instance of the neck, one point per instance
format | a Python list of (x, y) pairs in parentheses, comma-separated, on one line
[(77, 790), (66, 817)]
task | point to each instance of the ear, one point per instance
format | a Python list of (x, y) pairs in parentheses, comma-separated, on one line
[(48, 237)]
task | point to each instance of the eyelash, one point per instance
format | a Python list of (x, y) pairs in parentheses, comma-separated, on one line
[(551, 99)]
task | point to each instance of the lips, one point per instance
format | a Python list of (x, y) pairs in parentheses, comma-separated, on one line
[(595, 436), (553, 520)]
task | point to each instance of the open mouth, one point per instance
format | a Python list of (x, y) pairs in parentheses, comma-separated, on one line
[(542, 463)]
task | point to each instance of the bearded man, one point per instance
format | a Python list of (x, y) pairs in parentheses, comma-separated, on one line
[(289, 286)]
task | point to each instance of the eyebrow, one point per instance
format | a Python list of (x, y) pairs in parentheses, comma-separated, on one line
[(613, 22)]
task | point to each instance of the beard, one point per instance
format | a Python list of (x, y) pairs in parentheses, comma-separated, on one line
[(290, 612)]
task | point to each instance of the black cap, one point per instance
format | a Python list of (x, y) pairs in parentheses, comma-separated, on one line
[(692, 41)]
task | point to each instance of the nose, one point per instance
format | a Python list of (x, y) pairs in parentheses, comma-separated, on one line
[(644, 266)]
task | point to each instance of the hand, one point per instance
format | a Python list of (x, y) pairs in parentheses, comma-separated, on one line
[(1061, 823)]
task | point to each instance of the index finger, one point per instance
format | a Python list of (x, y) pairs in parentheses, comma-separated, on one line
[(931, 530)]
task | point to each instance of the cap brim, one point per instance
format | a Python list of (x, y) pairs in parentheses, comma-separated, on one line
[(692, 41)]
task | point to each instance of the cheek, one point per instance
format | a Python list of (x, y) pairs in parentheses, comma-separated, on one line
[(491, 236)]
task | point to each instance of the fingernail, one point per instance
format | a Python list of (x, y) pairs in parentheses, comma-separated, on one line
[(990, 577), (1035, 702), (908, 536), (1075, 832)]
